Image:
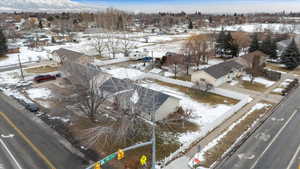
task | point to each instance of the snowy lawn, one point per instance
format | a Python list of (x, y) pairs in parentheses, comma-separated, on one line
[(282, 86), (232, 134), (258, 27), (124, 73), (26, 55), (260, 80), (39, 93), (204, 114)]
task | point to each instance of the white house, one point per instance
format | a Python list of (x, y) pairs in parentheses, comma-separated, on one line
[(146, 101)]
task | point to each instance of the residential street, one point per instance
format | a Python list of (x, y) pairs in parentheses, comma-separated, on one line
[(275, 145), (25, 144)]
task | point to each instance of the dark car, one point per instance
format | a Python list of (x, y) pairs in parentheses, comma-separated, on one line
[(29, 106), (43, 78), (147, 59), (32, 107)]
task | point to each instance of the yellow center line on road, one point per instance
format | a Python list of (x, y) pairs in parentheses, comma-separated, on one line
[(26, 139)]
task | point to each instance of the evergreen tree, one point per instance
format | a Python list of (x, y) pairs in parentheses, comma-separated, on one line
[(266, 45), (231, 48), (273, 51), (291, 56), (220, 43), (40, 24), (269, 47), (3, 45), (191, 26), (254, 43)]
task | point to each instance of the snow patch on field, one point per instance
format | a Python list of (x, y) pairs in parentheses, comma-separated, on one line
[(278, 90), (265, 82), (258, 27), (39, 93), (26, 55), (124, 73)]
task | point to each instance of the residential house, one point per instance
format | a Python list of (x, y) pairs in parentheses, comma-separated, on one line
[(62, 38), (254, 60), (145, 100), (171, 58), (219, 74), (282, 45), (62, 55), (13, 49)]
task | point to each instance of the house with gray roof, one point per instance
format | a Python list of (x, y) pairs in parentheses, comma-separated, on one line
[(62, 55), (145, 100), (218, 74)]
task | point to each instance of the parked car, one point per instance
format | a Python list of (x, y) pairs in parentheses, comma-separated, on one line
[(43, 78), (32, 107), (147, 59), (29, 106)]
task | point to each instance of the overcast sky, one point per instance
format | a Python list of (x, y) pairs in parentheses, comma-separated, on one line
[(205, 6)]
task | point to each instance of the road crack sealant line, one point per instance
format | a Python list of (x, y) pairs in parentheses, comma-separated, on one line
[(237, 145)]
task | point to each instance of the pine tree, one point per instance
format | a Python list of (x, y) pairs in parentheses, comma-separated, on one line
[(266, 45), (231, 47), (191, 26), (220, 43), (269, 47), (273, 52), (254, 43), (3, 45), (291, 56), (40, 24)]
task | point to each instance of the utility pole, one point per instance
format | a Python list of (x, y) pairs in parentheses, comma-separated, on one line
[(153, 141), (21, 69), (152, 59)]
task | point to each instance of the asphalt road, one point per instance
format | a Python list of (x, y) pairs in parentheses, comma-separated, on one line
[(31, 146), (275, 145)]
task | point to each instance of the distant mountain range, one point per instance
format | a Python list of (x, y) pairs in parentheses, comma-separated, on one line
[(45, 6)]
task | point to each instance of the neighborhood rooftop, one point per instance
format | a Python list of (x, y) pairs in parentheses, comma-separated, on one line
[(68, 53), (149, 100), (222, 69)]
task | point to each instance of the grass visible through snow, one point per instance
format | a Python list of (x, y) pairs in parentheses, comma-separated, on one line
[(253, 86), (228, 140), (277, 67), (184, 78), (202, 97), (42, 69), (165, 145)]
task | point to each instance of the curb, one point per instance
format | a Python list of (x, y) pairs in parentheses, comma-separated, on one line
[(47, 129)]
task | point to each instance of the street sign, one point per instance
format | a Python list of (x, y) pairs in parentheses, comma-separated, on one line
[(108, 158), (97, 166), (143, 160), (196, 161), (120, 154)]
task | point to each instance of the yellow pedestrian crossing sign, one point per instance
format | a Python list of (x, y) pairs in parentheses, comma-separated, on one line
[(143, 160), (97, 166)]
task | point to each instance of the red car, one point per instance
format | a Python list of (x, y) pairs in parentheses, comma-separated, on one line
[(43, 78)]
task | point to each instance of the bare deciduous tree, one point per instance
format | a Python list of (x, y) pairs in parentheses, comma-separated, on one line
[(126, 44), (112, 44), (100, 44)]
